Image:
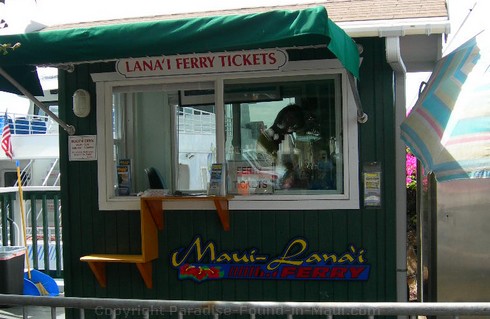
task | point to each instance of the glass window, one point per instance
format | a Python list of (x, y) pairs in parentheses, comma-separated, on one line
[(284, 137), (196, 146), (141, 139), (144, 125), (288, 138)]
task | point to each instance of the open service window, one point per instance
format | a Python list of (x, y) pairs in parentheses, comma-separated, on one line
[(288, 139)]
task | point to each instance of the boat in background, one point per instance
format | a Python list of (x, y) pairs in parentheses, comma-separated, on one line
[(35, 145)]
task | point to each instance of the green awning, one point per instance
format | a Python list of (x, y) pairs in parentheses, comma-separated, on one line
[(169, 37)]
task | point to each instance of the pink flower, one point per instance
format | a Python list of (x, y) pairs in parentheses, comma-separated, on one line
[(411, 168)]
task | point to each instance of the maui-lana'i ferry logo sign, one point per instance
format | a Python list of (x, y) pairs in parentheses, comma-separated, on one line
[(201, 261)]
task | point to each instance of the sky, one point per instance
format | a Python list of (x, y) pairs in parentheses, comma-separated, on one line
[(468, 18), (25, 15), (66, 11)]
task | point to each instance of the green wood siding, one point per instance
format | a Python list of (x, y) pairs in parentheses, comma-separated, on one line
[(87, 230)]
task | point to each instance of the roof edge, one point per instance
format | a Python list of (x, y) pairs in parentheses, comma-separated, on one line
[(399, 27)]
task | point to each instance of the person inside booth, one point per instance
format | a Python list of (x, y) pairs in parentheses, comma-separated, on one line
[(295, 121), (291, 178), (289, 120)]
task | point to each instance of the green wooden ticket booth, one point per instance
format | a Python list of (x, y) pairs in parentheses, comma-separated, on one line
[(310, 218)]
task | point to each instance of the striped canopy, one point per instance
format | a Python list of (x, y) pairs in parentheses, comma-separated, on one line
[(448, 129)]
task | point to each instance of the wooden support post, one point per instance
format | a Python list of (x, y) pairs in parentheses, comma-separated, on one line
[(98, 270), (223, 212), (146, 271), (154, 206)]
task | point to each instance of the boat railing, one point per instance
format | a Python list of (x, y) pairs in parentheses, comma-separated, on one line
[(43, 239), (52, 177), (29, 124), (48, 175), (195, 121), (25, 175)]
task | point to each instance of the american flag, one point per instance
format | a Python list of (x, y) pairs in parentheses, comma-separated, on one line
[(6, 142)]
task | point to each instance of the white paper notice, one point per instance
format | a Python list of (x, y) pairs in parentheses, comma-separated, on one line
[(82, 147)]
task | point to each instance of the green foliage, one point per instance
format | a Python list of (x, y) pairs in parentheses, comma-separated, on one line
[(5, 48)]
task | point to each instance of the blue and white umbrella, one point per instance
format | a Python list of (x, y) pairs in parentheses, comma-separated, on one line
[(448, 129)]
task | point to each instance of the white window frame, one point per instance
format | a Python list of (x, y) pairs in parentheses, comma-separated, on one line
[(105, 82)]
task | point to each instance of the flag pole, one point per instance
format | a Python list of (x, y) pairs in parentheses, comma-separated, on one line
[(6, 141)]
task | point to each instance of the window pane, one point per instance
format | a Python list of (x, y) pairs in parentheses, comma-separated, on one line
[(142, 139), (152, 129), (197, 146), (284, 137)]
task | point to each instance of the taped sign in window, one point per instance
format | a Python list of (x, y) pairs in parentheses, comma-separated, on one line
[(372, 184)]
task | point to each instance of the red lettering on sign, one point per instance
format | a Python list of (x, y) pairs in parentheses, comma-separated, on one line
[(246, 59), (356, 271), (287, 271), (258, 60), (320, 272), (158, 65), (147, 65), (179, 62), (194, 63), (338, 272), (237, 61), (127, 67), (304, 272), (272, 58), (202, 63)]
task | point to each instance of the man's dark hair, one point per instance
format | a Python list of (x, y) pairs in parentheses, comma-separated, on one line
[(291, 116)]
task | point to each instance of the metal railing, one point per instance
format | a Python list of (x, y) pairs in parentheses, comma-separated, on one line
[(25, 175), (9, 228), (53, 168), (194, 121), (43, 226), (143, 308), (29, 124), (52, 177)]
